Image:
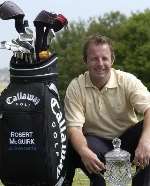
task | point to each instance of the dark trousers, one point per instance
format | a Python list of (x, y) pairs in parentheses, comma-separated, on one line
[(129, 142)]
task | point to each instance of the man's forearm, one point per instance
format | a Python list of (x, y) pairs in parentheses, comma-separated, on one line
[(77, 139), (142, 152), (146, 125), (88, 157)]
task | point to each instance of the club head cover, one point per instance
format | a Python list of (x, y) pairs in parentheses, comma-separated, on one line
[(10, 10), (44, 18), (60, 22), (51, 20)]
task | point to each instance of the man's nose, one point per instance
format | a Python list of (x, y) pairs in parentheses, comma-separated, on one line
[(100, 62)]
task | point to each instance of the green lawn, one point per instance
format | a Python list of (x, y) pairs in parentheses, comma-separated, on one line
[(2, 86), (80, 179)]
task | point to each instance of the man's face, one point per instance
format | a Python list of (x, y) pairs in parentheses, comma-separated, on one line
[(99, 62)]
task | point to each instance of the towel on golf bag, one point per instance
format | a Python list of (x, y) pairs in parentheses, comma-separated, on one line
[(33, 138)]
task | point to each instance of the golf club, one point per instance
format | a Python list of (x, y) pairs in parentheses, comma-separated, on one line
[(9, 10), (44, 23)]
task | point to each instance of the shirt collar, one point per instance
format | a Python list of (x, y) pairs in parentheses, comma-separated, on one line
[(112, 82)]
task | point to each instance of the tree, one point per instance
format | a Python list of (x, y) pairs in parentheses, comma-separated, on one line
[(131, 42), (135, 41), (69, 48)]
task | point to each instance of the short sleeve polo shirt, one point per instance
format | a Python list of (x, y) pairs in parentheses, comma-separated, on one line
[(107, 112)]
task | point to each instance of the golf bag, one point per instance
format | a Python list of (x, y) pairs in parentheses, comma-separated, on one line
[(33, 137)]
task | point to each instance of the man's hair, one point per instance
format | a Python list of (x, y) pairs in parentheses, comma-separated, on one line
[(97, 40)]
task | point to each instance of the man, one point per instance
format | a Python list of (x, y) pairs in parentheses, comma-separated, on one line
[(102, 104)]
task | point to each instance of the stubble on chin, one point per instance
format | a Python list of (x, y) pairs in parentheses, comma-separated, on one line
[(100, 79)]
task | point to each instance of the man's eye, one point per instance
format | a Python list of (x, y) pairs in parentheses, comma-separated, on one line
[(94, 59), (104, 58)]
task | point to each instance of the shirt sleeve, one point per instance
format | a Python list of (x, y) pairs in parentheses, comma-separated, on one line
[(74, 109), (138, 94)]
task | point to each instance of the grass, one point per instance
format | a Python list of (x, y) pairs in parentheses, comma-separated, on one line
[(80, 179), (2, 86)]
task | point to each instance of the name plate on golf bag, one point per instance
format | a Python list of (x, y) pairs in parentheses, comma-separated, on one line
[(33, 138)]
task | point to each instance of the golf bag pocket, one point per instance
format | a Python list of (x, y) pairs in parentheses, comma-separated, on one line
[(23, 148)]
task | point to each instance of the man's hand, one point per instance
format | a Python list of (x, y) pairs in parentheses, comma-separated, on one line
[(142, 152), (88, 157), (91, 161)]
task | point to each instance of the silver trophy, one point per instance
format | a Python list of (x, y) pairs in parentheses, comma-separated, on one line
[(118, 166)]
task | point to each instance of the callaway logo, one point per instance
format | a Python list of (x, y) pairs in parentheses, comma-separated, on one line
[(61, 122), (22, 96)]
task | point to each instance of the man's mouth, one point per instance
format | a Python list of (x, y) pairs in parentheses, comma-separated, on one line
[(99, 71)]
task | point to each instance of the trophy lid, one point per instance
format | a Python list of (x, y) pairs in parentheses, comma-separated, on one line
[(117, 154)]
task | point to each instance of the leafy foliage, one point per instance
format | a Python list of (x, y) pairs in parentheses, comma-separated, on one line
[(131, 41)]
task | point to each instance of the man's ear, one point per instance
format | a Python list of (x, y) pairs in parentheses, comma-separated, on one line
[(113, 59), (84, 60)]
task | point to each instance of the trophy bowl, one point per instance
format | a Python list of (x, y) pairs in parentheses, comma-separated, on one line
[(118, 166)]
